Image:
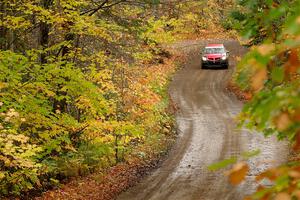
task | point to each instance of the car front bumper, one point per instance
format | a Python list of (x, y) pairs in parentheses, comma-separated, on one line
[(215, 63)]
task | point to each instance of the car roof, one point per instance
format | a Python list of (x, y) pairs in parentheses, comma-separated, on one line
[(214, 46)]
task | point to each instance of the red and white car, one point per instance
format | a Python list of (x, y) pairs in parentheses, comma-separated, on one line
[(214, 55)]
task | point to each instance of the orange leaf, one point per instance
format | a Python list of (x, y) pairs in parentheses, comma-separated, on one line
[(294, 174), (292, 187), (248, 96), (282, 196), (296, 146), (265, 49), (282, 121), (270, 174), (296, 116), (293, 64), (275, 5), (257, 81), (238, 173), (248, 198), (294, 59)]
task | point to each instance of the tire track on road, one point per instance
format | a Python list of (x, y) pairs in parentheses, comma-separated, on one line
[(207, 134)]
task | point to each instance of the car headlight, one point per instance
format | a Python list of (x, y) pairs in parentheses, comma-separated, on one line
[(204, 58), (224, 57)]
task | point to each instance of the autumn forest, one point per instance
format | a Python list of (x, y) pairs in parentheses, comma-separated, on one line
[(84, 86)]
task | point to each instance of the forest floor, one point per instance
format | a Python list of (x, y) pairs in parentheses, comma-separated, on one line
[(207, 134)]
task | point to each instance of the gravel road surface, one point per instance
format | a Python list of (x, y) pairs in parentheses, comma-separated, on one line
[(207, 134)]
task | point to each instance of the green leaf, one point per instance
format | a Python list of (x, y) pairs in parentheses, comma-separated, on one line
[(278, 74), (250, 154), (222, 164)]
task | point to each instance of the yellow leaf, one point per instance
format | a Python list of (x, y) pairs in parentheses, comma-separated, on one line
[(3, 85), (2, 175), (298, 20)]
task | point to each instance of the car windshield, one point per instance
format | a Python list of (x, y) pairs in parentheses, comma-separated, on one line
[(216, 50)]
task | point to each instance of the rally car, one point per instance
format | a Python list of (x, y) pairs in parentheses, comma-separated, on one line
[(214, 55)]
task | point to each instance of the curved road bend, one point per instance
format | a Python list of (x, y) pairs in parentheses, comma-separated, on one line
[(207, 134)]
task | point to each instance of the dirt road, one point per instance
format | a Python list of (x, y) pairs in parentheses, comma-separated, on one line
[(207, 134)]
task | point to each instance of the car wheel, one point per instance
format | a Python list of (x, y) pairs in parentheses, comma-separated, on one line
[(203, 66)]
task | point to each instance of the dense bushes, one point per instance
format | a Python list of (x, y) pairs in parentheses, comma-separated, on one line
[(87, 130), (74, 93)]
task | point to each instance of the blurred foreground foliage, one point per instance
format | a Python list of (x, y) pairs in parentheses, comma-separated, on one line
[(269, 72)]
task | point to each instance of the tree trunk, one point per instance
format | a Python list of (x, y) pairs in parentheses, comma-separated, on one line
[(3, 37), (44, 32)]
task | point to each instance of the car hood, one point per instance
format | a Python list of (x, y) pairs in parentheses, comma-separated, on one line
[(213, 55)]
